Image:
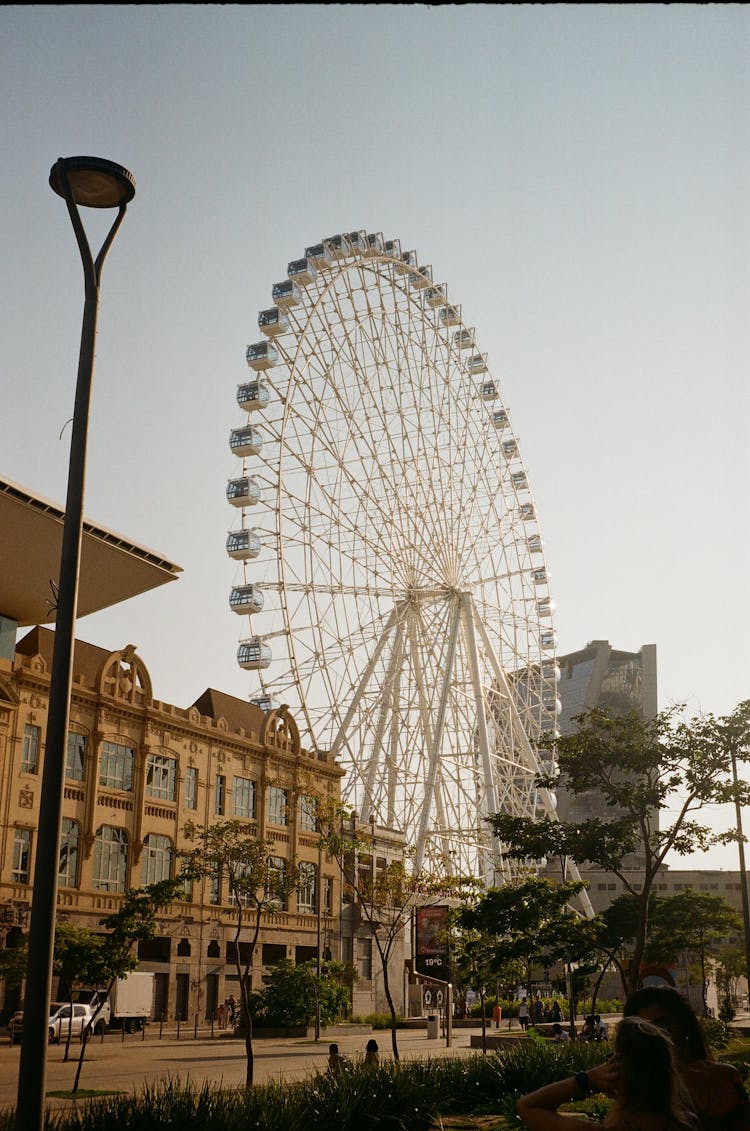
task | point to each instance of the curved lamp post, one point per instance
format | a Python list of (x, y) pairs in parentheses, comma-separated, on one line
[(92, 183)]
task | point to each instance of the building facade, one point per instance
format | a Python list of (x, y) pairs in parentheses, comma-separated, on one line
[(605, 677), (138, 774)]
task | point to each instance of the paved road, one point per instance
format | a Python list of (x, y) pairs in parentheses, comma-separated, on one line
[(127, 1066)]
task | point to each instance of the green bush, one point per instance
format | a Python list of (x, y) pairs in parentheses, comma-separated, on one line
[(378, 1020), (716, 1032), (289, 997)]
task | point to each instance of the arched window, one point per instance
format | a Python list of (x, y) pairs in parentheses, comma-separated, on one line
[(277, 883), (307, 813), (110, 859), (67, 874), (242, 887), (156, 859), (161, 777), (183, 948), (214, 950), (307, 889)]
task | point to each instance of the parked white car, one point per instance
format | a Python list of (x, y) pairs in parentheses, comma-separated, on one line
[(60, 1020)]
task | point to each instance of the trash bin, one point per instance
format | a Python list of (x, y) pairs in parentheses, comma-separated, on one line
[(432, 1025)]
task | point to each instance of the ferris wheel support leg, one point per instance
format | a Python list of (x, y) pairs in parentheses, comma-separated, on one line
[(387, 703), (531, 758), (437, 738), (341, 733), (467, 607)]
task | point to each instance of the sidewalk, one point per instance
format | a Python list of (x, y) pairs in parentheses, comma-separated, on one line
[(127, 1066)]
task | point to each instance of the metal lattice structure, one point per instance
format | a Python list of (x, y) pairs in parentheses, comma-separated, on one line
[(394, 573)]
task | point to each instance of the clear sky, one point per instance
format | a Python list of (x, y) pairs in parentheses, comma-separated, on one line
[(577, 174)]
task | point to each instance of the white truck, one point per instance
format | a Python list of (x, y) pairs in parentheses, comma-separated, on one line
[(131, 1000)]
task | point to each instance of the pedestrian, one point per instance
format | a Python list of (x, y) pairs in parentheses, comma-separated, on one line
[(523, 1014), (601, 1031), (642, 1078), (556, 1011), (497, 1014), (232, 1009), (372, 1057), (558, 1033), (222, 1013), (335, 1060), (716, 1089), (538, 1010), (588, 1030)]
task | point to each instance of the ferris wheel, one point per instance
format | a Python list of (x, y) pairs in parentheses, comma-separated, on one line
[(393, 573)]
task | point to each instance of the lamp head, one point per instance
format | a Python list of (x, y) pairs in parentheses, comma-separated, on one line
[(94, 182)]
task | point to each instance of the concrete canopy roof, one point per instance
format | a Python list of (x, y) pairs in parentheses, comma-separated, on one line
[(113, 568)]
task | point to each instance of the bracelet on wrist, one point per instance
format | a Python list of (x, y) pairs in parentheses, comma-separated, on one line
[(582, 1083)]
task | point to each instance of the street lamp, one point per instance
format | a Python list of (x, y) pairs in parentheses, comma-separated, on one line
[(93, 183)]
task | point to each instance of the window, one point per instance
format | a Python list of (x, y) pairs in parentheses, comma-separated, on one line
[(187, 888), (161, 777), (21, 854), (116, 766), (276, 800), (327, 895), (214, 887), (307, 813), (191, 787), (243, 798), (156, 860), (67, 872), (364, 958), (30, 751), (307, 890), (110, 859), (242, 892), (75, 756), (277, 881), (219, 791)]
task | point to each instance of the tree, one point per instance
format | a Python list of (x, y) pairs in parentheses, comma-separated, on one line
[(730, 967), (113, 957), (474, 962), (693, 922), (78, 960), (529, 921), (231, 851), (640, 767), (387, 897)]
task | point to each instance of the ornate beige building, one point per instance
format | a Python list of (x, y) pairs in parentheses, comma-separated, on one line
[(137, 772)]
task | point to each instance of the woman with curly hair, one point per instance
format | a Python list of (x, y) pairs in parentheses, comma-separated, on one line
[(716, 1089), (642, 1078)]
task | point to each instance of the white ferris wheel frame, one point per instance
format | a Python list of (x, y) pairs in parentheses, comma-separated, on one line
[(399, 603)]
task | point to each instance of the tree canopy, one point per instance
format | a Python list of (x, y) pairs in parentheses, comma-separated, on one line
[(655, 775)]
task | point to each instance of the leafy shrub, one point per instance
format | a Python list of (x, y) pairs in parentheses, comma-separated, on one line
[(289, 997), (727, 1011), (716, 1032)]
